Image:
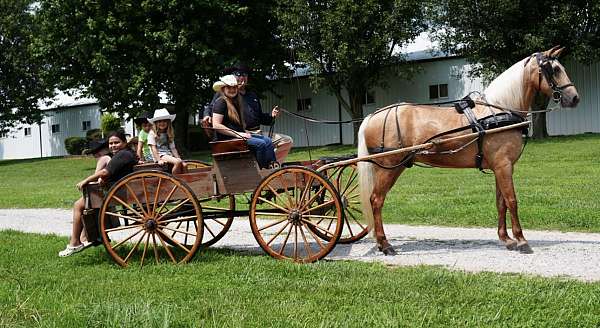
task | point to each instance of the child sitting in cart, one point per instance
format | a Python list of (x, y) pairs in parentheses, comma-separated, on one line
[(161, 141), (120, 164), (228, 122), (143, 151)]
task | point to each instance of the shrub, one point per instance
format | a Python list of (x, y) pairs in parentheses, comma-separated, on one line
[(93, 134), (110, 123), (75, 145)]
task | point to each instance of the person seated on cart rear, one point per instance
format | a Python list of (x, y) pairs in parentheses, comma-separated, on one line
[(122, 162), (228, 121)]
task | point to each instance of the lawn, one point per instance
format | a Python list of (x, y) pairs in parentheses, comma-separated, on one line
[(556, 182), (222, 288)]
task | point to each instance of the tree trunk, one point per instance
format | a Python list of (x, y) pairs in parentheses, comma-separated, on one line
[(540, 130), (356, 108), (181, 129)]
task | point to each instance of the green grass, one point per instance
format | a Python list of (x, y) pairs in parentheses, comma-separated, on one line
[(556, 182), (222, 288)]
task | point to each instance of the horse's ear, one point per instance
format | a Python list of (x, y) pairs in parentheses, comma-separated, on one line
[(551, 52), (558, 52)]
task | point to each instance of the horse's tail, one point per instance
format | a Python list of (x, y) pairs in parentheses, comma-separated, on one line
[(366, 176)]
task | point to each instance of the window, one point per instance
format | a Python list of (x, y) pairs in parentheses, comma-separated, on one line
[(27, 132), (55, 128), (438, 91), (304, 104), (369, 98), (86, 125), (3, 134)]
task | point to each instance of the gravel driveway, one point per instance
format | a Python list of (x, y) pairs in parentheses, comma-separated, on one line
[(574, 255)]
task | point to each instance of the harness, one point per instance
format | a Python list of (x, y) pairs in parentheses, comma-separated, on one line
[(479, 126)]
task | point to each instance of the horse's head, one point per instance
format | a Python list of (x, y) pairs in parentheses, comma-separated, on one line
[(549, 77)]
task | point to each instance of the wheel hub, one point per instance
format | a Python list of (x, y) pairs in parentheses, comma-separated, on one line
[(150, 225), (295, 217), (344, 201)]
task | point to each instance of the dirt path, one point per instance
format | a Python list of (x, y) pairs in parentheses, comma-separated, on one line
[(573, 255)]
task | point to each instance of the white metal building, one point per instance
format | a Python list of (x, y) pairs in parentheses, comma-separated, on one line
[(441, 78)]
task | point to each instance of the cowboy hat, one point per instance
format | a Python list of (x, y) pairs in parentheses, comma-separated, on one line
[(238, 67), (161, 114), (95, 146), (142, 118), (227, 80)]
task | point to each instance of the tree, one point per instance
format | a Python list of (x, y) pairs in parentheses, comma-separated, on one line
[(125, 53), (496, 33), (349, 45), (21, 82)]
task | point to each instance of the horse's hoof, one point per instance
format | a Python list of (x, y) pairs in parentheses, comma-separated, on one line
[(525, 248), (389, 250), (511, 245)]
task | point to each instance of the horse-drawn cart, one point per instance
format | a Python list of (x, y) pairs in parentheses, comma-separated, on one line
[(300, 212), (295, 212)]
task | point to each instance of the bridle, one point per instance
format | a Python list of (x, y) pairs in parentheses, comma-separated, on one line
[(546, 70)]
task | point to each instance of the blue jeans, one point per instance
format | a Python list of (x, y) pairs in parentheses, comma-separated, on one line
[(263, 149)]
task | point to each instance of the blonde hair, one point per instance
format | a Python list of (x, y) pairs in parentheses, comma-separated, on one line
[(235, 110), (170, 130)]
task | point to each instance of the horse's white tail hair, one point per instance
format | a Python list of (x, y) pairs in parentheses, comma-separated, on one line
[(366, 176)]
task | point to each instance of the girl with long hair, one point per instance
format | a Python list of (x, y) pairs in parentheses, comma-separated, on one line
[(161, 140), (228, 121)]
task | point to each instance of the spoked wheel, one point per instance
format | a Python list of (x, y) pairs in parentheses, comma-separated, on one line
[(195, 164), (285, 212), (345, 180), (217, 218), (151, 216)]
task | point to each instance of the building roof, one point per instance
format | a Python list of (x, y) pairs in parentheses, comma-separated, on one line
[(73, 98)]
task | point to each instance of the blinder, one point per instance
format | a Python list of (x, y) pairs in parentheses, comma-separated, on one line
[(546, 70)]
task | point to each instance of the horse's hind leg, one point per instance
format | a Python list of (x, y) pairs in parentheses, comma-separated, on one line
[(502, 233), (384, 180), (505, 182)]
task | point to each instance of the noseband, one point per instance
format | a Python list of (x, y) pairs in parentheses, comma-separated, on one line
[(546, 70)]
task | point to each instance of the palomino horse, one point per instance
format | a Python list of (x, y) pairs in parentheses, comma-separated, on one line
[(406, 125)]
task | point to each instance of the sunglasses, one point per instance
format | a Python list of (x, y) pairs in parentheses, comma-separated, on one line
[(240, 74)]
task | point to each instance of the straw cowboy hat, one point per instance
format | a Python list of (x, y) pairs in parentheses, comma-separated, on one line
[(227, 80), (161, 114)]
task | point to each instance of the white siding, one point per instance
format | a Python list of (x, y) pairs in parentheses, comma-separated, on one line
[(586, 116), (17, 146)]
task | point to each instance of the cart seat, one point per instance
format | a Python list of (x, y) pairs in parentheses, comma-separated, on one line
[(229, 148), (151, 166)]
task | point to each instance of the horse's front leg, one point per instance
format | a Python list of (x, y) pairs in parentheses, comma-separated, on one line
[(505, 182), (385, 179), (505, 239)]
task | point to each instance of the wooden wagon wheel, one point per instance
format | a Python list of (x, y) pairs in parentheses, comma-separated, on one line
[(151, 214), (285, 212), (217, 218), (345, 180)]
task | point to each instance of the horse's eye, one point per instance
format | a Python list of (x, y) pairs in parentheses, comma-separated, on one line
[(556, 69)]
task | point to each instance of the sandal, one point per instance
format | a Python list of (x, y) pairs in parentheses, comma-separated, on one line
[(70, 250)]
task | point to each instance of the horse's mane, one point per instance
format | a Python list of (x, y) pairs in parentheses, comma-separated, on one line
[(507, 90)]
